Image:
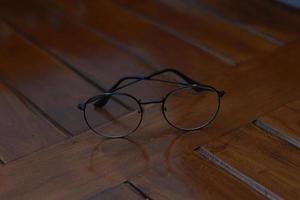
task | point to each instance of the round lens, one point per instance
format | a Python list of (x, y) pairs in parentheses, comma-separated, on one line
[(116, 115), (191, 108)]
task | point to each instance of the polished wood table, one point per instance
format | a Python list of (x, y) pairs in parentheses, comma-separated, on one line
[(56, 53)]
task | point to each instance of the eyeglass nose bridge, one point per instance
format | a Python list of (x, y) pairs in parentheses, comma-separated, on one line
[(152, 102), (161, 101)]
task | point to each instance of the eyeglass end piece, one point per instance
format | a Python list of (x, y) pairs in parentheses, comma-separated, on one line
[(221, 93), (101, 102), (81, 106)]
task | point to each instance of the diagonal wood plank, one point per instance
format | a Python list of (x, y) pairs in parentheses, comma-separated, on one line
[(86, 165), (266, 16), (54, 88), (73, 169), (239, 107), (21, 127), (122, 191), (284, 121), (85, 51), (202, 29), (262, 157), (255, 89), (191, 177), (146, 40), (295, 105)]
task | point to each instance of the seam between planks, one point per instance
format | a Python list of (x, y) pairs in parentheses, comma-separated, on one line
[(236, 173), (59, 60), (284, 5), (104, 37), (129, 184), (243, 26), (107, 38), (202, 46), (37, 109), (138, 190), (63, 61), (221, 56), (277, 133)]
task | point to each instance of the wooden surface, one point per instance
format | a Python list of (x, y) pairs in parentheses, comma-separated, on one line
[(57, 53), (152, 44), (53, 88), (121, 191), (274, 163), (285, 122), (21, 127), (81, 48), (259, 15), (227, 41)]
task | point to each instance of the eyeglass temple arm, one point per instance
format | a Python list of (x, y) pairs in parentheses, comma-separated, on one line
[(181, 75), (116, 87), (178, 73)]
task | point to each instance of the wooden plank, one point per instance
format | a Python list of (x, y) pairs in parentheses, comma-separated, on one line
[(122, 191), (146, 40), (68, 172), (257, 88), (74, 169), (270, 161), (23, 130), (82, 49), (295, 105), (203, 29), (54, 88), (191, 177), (265, 16), (85, 165), (285, 121), (236, 173)]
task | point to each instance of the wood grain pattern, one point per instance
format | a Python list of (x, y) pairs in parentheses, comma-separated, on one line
[(262, 157), (238, 108), (259, 15), (236, 173), (85, 165), (73, 169), (262, 84), (23, 131), (295, 105), (122, 191), (87, 52), (158, 159), (285, 119), (203, 29), (51, 86), (190, 177), (150, 43)]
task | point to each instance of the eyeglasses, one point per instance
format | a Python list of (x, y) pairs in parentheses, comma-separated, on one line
[(189, 107)]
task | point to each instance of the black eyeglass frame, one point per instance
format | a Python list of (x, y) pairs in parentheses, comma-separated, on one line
[(101, 100)]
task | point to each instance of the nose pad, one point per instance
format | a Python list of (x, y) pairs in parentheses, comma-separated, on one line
[(221, 93), (81, 106)]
